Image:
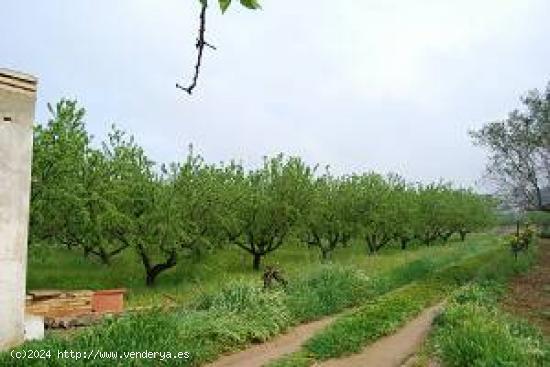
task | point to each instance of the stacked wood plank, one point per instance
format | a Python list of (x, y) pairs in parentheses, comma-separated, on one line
[(52, 303)]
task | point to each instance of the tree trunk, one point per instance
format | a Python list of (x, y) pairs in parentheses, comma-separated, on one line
[(150, 279), (539, 197), (104, 256), (87, 251), (446, 236), (257, 261), (371, 244), (153, 272), (371, 249), (325, 254)]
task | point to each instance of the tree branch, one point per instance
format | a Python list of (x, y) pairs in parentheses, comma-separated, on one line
[(200, 49)]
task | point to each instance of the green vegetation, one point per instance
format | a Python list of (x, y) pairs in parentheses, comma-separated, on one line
[(473, 331), (107, 201), (240, 313), (520, 241), (519, 151), (385, 314), (56, 267), (541, 220), (110, 217)]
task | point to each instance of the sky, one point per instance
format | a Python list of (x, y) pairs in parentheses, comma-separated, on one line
[(383, 85)]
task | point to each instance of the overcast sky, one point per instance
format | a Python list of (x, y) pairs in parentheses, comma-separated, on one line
[(391, 86)]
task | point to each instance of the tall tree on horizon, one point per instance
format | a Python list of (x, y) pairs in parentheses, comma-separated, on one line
[(519, 151)]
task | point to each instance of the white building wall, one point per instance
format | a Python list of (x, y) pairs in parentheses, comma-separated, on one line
[(17, 101)]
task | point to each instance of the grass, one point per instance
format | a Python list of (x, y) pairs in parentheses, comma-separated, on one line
[(473, 331), (384, 315), (238, 314), (52, 267)]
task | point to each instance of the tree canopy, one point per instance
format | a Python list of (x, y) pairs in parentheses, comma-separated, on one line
[(105, 199), (519, 151)]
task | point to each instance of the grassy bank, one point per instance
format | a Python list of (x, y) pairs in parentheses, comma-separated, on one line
[(386, 314), (234, 316), (474, 331)]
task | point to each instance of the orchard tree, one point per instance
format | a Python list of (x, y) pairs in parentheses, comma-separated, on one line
[(94, 230), (331, 220), (59, 155), (167, 214), (472, 212), (406, 206), (431, 211), (376, 210), (70, 200), (267, 204), (199, 194)]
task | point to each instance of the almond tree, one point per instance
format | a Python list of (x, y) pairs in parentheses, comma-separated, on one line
[(405, 201), (331, 219), (266, 204), (376, 210), (168, 213), (71, 199), (59, 152)]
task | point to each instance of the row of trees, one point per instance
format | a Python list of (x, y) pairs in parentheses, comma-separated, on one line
[(113, 198), (519, 148)]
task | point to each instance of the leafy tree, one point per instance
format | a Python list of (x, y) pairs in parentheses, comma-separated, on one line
[(520, 150), (59, 152), (70, 196), (330, 221), (267, 204), (145, 201), (406, 204), (167, 214), (432, 214), (376, 210), (473, 212)]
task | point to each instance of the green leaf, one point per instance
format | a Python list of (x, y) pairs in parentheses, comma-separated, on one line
[(224, 4), (251, 4)]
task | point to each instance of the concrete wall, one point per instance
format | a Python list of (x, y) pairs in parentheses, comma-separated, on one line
[(17, 100)]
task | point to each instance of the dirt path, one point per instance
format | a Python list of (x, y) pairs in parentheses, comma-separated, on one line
[(529, 295), (261, 354), (392, 350)]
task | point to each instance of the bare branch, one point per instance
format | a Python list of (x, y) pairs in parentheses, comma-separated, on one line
[(200, 49)]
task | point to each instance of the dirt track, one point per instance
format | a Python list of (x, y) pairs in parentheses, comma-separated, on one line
[(389, 351), (395, 349), (261, 354)]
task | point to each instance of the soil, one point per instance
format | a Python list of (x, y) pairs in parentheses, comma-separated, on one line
[(261, 354), (529, 295), (393, 350)]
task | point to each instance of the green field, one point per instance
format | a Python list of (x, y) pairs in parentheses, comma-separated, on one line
[(228, 312), (217, 304), (58, 268)]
